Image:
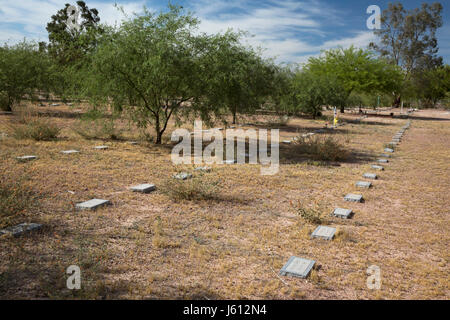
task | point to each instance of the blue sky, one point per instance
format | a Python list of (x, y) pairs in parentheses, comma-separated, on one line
[(290, 30)]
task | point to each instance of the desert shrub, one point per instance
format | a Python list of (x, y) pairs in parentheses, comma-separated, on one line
[(319, 147), (14, 200), (37, 129), (196, 188), (98, 129), (309, 215)]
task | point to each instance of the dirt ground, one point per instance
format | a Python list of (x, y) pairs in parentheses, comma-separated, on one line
[(149, 246)]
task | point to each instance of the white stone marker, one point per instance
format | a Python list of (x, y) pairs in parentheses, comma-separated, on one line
[(144, 188), (384, 155), (101, 147), (297, 267), (26, 158), (342, 213), (353, 197), (324, 232), (183, 176), (383, 160), (363, 184), (370, 176), (21, 229), (70, 151), (381, 168), (132, 142), (389, 150), (92, 204), (287, 141), (229, 162)]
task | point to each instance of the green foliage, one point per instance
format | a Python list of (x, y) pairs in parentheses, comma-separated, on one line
[(356, 70), (239, 79), (37, 129), (23, 70), (408, 38), (321, 147), (433, 85), (69, 46), (149, 67), (311, 92)]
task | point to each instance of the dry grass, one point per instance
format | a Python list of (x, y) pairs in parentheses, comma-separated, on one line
[(155, 246)]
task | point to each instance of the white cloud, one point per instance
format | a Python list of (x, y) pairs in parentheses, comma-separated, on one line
[(281, 28), (34, 15)]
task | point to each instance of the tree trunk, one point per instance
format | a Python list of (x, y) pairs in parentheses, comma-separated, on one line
[(158, 137), (7, 108), (397, 101), (234, 115), (342, 109), (158, 130)]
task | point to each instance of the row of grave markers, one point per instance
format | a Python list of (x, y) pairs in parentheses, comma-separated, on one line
[(301, 267), (295, 266)]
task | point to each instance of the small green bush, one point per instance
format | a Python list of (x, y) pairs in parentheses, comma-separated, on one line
[(323, 148), (98, 129), (196, 188), (309, 215), (36, 129)]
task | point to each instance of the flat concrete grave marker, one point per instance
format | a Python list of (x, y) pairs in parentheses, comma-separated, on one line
[(183, 176), (287, 141), (389, 150), (229, 162), (381, 168), (342, 213), (132, 142), (364, 184), (70, 151), (370, 176), (297, 267), (383, 160), (101, 147), (92, 204), (144, 188), (324, 232), (353, 197), (384, 155), (21, 229), (26, 158)]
